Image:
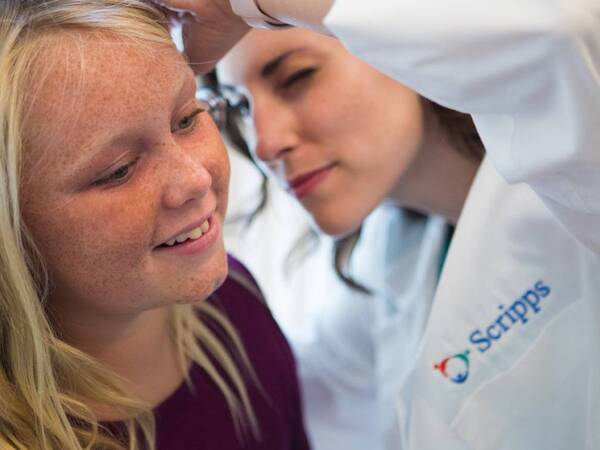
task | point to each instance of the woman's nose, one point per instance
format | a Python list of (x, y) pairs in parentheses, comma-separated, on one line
[(188, 180), (275, 131)]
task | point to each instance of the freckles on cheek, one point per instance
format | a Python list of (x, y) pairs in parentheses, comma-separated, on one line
[(122, 231), (92, 238)]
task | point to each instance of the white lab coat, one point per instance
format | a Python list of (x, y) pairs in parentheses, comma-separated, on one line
[(511, 355), (363, 346)]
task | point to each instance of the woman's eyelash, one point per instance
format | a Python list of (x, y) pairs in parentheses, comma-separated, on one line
[(297, 76), (118, 176)]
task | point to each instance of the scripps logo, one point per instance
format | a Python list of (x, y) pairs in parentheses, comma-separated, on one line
[(456, 367)]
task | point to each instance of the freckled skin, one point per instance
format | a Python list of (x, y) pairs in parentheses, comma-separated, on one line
[(98, 241)]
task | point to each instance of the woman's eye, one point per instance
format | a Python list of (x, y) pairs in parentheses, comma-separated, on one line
[(189, 121), (118, 176), (298, 76)]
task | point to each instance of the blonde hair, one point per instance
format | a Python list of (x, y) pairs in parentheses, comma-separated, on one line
[(45, 383)]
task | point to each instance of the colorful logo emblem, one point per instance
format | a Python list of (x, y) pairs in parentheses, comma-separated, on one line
[(455, 368)]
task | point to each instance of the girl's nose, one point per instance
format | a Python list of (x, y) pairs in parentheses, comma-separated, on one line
[(188, 179)]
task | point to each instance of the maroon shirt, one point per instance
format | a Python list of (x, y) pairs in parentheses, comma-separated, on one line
[(200, 419)]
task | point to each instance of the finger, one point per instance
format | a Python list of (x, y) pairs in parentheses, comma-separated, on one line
[(178, 5), (200, 58)]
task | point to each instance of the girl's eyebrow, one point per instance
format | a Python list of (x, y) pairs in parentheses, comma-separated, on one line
[(270, 67)]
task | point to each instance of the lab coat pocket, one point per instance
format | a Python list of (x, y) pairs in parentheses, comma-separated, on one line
[(543, 399)]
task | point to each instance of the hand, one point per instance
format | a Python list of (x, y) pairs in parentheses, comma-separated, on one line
[(210, 29)]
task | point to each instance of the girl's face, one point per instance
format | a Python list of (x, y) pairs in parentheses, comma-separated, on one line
[(120, 160), (339, 135)]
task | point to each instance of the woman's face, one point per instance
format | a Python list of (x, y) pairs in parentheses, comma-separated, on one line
[(120, 160), (339, 135)]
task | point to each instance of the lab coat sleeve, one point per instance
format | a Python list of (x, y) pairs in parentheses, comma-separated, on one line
[(528, 71)]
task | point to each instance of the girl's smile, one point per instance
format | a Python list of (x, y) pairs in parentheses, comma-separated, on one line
[(195, 240)]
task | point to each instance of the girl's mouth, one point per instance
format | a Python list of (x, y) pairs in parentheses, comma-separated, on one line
[(192, 242), (192, 235)]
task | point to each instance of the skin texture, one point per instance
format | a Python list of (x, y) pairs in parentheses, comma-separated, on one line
[(337, 114), (116, 163)]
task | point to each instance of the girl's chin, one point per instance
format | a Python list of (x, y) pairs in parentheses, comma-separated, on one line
[(204, 289)]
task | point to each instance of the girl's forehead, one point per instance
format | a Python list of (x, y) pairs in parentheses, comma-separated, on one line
[(83, 91), (85, 64), (99, 71)]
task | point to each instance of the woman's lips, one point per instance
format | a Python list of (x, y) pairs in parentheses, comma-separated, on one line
[(304, 184)]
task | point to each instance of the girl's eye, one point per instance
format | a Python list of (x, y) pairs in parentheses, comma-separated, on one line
[(298, 76), (119, 176), (188, 122)]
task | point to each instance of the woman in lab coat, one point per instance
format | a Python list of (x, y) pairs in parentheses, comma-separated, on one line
[(510, 358), (309, 98)]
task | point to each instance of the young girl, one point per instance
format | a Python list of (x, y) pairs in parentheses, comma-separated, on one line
[(121, 325)]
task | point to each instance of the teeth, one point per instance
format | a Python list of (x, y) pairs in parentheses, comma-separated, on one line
[(193, 235)]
